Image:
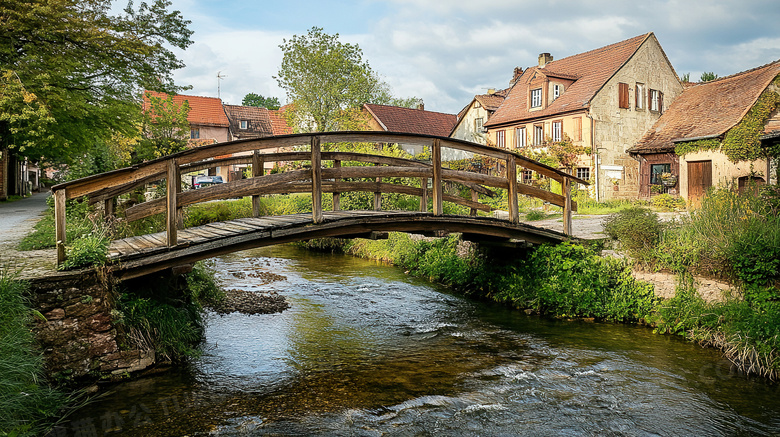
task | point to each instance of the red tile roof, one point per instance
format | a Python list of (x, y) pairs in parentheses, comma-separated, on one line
[(279, 124), (204, 111), (414, 121), (589, 70), (258, 121), (708, 109)]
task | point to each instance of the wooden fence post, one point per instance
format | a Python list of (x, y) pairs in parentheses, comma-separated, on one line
[(108, 207), (60, 237), (474, 198), (424, 197), (336, 194), (511, 178), (316, 180), (566, 188), (258, 164), (172, 180), (377, 194), (438, 205)]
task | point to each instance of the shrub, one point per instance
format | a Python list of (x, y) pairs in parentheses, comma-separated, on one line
[(637, 229), (535, 215), (668, 202), (86, 251)]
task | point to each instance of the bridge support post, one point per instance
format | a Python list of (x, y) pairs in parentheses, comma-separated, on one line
[(336, 194), (511, 178), (566, 188), (59, 224), (377, 194), (475, 199), (258, 164), (316, 180), (424, 197), (172, 183), (438, 205)]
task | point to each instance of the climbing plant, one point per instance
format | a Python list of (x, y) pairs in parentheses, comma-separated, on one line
[(682, 149)]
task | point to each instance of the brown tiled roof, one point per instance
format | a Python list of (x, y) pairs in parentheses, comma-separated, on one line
[(590, 70), (258, 121), (279, 124), (204, 111), (414, 121), (491, 102), (708, 109)]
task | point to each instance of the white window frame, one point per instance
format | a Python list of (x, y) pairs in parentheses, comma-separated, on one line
[(655, 100), (478, 123), (501, 138), (640, 96), (538, 135), (556, 91), (243, 124), (583, 173), (521, 138), (536, 98), (557, 130), (194, 133)]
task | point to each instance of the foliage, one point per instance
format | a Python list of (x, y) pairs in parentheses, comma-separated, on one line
[(165, 128), (71, 71), (252, 99), (668, 202), (742, 142), (687, 147), (202, 285), (637, 229), (78, 221), (686, 78), (708, 76), (89, 250), (565, 152), (535, 215), (26, 401), (324, 77)]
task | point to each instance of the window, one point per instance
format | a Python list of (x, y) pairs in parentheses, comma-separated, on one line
[(538, 135), (536, 98), (244, 124), (520, 138), (527, 176), (194, 134), (500, 139), (656, 99), (640, 96), (557, 91), (578, 129), (583, 173), (478, 124), (557, 130), (623, 95), (656, 170)]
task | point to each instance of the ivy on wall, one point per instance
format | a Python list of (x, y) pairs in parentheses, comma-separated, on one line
[(741, 142)]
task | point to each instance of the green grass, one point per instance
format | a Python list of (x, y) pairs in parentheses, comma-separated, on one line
[(26, 400)]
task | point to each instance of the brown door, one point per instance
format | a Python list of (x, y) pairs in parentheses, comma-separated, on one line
[(699, 180)]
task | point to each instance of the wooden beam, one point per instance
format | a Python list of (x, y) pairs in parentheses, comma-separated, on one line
[(377, 194), (171, 181), (438, 206), (108, 207), (475, 199), (336, 194), (567, 206), (258, 170), (60, 237), (424, 197), (511, 179), (316, 180)]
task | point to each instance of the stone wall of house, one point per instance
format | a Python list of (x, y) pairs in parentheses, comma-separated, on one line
[(617, 129), (724, 172), (79, 337)]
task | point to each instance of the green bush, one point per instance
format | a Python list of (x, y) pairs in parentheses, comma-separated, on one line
[(668, 202), (637, 229), (89, 250)]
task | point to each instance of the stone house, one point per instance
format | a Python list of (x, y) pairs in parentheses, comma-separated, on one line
[(250, 122), (603, 100), (693, 139), (408, 120), (471, 120)]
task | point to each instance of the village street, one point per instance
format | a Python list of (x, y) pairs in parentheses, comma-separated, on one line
[(17, 220)]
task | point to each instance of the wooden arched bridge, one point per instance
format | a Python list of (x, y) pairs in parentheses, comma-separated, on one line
[(347, 172)]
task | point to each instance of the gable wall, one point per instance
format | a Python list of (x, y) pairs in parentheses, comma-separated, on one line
[(617, 129), (465, 128)]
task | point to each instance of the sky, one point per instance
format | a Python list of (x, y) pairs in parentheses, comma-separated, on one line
[(447, 51)]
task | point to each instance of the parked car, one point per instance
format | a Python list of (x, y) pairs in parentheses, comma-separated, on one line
[(205, 181)]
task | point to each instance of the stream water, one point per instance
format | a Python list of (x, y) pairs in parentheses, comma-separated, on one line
[(366, 350)]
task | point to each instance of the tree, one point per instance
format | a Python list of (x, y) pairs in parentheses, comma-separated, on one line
[(708, 76), (71, 72), (323, 78), (253, 99), (165, 128)]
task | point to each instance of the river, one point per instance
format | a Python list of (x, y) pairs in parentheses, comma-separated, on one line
[(366, 350)]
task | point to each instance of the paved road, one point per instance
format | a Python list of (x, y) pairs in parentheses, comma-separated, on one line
[(17, 220)]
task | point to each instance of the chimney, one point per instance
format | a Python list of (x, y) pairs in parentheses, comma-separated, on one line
[(491, 91), (516, 75), (421, 106), (544, 59)]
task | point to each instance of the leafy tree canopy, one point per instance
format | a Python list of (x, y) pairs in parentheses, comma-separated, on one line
[(258, 100), (71, 72), (324, 78), (708, 76), (165, 128)]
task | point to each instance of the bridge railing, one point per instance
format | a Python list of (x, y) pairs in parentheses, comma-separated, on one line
[(316, 180)]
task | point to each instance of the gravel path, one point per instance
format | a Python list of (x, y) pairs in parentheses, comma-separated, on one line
[(17, 220)]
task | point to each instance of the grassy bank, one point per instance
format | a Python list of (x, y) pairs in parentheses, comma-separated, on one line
[(26, 399)]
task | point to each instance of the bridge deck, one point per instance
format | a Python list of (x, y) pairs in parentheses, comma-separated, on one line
[(136, 256)]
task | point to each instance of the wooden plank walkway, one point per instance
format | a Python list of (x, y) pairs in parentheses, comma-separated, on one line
[(137, 256)]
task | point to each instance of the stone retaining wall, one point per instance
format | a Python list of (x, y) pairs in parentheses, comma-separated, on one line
[(78, 337)]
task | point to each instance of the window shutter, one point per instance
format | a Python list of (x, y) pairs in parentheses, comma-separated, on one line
[(660, 102), (649, 101), (623, 95)]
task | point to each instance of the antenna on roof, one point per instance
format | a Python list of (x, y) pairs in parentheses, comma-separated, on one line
[(220, 76)]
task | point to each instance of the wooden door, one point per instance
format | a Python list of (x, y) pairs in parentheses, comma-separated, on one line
[(699, 180)]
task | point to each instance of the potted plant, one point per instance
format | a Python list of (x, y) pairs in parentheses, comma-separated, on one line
[(616, 184), (668, 179)]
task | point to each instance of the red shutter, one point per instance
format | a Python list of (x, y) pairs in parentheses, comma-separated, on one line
[(623, 95)]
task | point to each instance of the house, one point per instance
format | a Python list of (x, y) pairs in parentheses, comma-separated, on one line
[(250, 122), (472, 118), (705, 139), (603, 100), (18, 175), (408, 120)]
